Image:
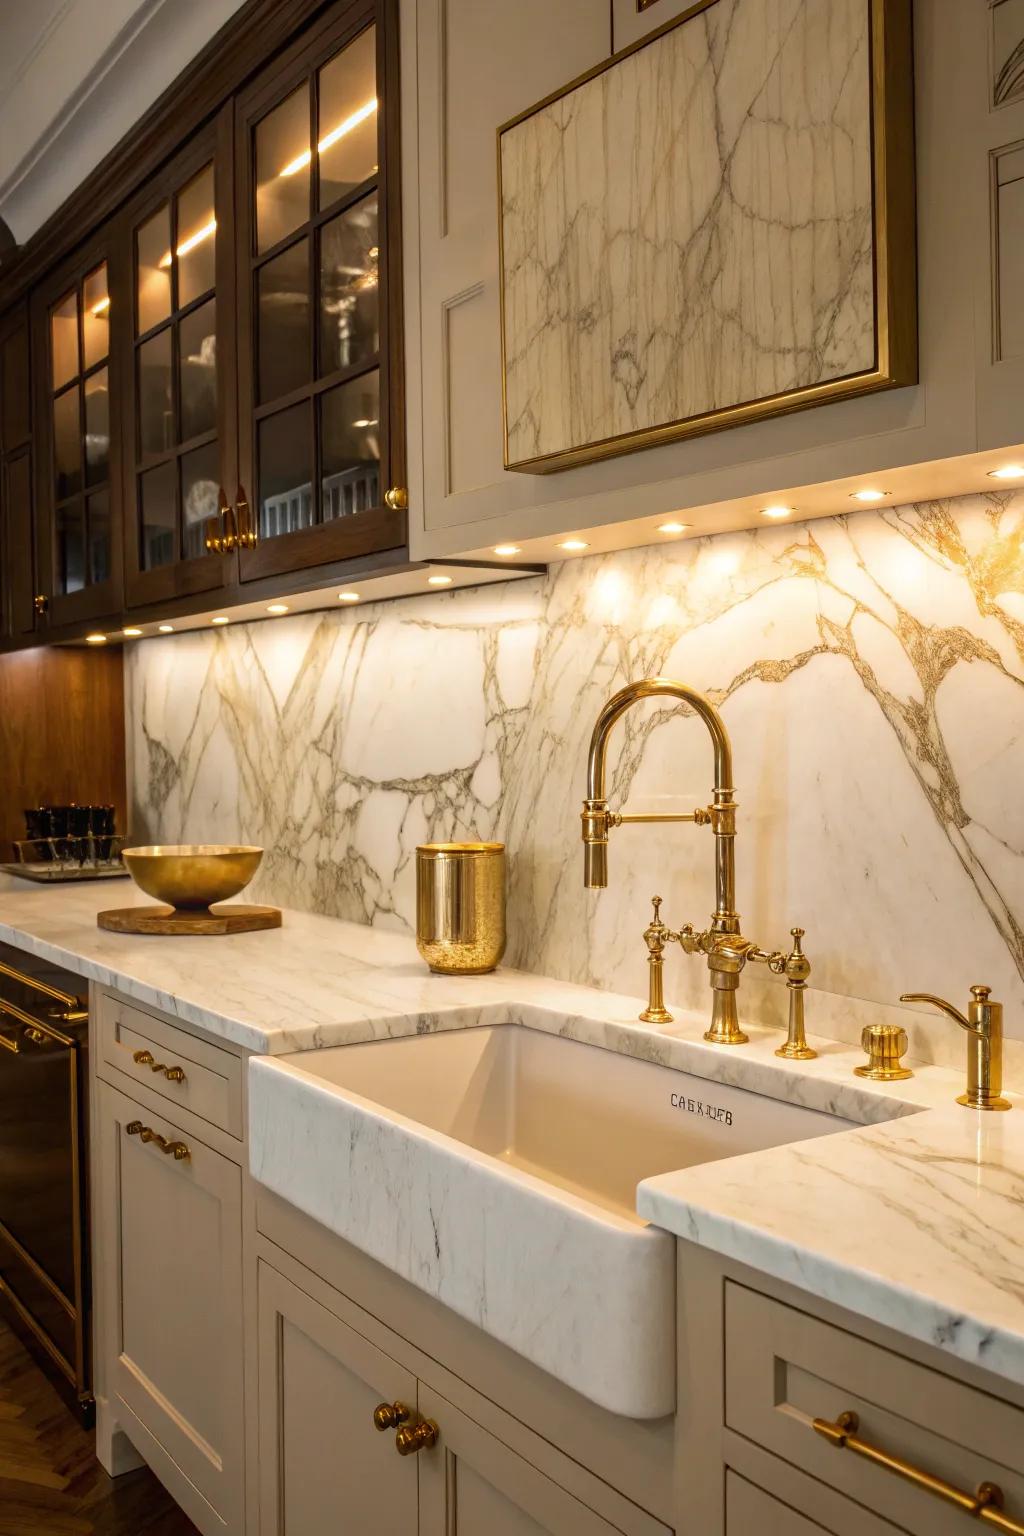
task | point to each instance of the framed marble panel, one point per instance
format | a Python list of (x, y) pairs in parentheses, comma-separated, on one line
[(712, 226)]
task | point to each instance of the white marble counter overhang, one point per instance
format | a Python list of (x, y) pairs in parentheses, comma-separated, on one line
[(915, 1219)]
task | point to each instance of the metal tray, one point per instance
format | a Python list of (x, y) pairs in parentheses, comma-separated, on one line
[(53, 874)]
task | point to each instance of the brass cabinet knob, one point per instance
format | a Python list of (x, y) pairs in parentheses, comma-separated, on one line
[(390, 1415), (41, 603), (397, 498), (885, 1044), (412, 1438)]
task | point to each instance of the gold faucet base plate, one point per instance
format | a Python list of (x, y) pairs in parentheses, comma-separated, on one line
[(972, 1103), (883, 1074), (655, 1016), (796, 1052), (734, 1037)]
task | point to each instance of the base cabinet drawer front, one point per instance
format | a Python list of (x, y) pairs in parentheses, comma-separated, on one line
[(749, 1511), (172, 1267), (784, 1370), (188, 1072), (324, 1466), (471, 1484)]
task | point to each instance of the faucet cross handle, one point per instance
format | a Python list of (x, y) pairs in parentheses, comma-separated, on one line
[(656, 936), (984, 1024)]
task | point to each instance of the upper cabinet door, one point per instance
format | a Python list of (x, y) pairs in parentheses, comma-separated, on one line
[(321, 428), (180, 414), (75, 316)]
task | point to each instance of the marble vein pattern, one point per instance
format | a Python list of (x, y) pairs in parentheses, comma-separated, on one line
[(870, 669), (635, 208)]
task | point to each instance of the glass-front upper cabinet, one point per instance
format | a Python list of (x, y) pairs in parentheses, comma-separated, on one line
[(75, 316), (179, 422), (321, 443)]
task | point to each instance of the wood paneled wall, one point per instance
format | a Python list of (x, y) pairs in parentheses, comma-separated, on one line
[(61, 733)]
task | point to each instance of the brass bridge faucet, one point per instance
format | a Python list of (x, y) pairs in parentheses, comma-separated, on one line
[(984, 1026), (723, 944)]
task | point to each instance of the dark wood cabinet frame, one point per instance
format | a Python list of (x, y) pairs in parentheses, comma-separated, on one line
[(17, 555)]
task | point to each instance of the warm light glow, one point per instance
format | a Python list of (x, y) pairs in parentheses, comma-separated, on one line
[(100, 307), (95, 639), (348, 597), (507, 549), (439, 581), (221, 619), (131, 634), (574, 544), (191, 243), (359, 116), (869, 495), (277, 608), (365, 421), (776, 512), (1007, 472), (167, 629), (673, 527)]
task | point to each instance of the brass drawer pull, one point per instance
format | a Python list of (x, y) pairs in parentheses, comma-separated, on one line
[(176, 1149), (412, 1438), (146, 1059), (985, 1503), (390, 1415)]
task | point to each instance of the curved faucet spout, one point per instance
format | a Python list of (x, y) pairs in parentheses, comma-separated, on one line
[(652, 688)]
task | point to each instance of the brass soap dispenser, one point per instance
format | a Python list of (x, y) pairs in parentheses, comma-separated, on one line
[(984, 1025)]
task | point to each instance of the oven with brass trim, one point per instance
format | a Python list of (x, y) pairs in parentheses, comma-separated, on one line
[(44, 1249)]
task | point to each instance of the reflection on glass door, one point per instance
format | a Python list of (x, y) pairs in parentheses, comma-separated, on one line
[(175, 360), (79, 332), (315, 265)]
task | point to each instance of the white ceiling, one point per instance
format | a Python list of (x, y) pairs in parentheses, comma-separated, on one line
[(75, 76)]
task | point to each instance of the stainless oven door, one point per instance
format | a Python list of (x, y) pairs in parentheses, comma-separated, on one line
[(42, 1267)]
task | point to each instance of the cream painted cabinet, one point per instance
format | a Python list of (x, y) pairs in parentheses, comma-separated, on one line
[(749, 1511), (323, 1465), (467, 68), (169, 1266)]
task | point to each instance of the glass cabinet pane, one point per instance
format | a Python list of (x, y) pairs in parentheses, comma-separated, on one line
[(95, 317), (159, 515), (156, 407), (64, 340), (153, 286), (350, 447), (347, 130), (200, 501), (67, 444), (286, 473), (349, 298), (197, 238), (197, 350), (282, 169), (70, 530), (97, 428), (283, 322), (99, 536)]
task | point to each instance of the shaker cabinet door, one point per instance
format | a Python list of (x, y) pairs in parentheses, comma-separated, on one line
[(471, 1484), (169, 1262), (323, 1464)]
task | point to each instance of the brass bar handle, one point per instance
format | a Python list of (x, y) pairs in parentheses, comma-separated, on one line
[(224, 542), (248, 533), (390, 1416), (174, 1074), (147, 1059), (142, 1058), (700, 817), (413, 1438), (176, 1149), (985, 1503)]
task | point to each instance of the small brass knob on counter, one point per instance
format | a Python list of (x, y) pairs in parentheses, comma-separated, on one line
[(884, 1044), (390, 1415), (412, 1438)]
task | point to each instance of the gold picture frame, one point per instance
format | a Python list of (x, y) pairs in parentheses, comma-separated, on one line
[(893, 252)]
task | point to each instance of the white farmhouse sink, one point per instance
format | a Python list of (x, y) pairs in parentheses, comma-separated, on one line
[(496, 1168)]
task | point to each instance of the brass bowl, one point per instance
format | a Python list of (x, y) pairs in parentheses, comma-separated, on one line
[(192, 876), (460, 906)]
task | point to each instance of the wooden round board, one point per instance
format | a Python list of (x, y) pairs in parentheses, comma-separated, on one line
[(222, 919)]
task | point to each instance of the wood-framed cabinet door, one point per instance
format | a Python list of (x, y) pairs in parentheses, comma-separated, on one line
[(320, 373), (169, 1266), (471, 1484), (17, 562), (323, 1465), (180, 415), (78, 314)]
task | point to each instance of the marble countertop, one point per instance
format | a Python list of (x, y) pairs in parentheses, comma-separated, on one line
[(915, 1218)]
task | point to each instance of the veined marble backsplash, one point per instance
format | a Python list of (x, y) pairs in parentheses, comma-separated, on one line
[(869, 667)]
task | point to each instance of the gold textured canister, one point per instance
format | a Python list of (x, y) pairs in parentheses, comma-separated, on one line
[(460, 906)]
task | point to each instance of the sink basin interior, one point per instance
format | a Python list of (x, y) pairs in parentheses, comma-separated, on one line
[(584, 1119)]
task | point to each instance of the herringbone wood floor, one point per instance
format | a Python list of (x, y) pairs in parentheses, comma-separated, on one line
[(50, 1482)]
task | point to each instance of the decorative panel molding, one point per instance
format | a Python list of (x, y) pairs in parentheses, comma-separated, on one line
[(709, 228), (1007, 50), (1009, 276), (470, 368)]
